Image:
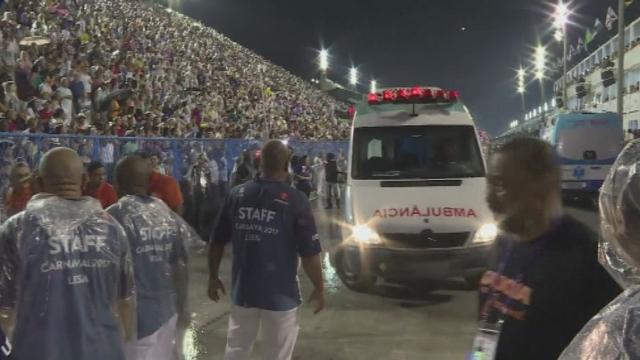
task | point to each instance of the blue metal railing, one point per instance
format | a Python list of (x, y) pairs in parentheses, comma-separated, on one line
[(176, 155)]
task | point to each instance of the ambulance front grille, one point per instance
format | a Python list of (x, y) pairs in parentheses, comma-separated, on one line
[(426, 240)]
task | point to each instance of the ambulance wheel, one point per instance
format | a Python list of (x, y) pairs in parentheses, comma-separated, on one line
[(349, 269)]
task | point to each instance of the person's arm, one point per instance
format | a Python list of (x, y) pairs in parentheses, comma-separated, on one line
[(584, 291), (216, 252), (126, 313), (602, 288), (180, 278), (310, 251), (186, 239), (126, 305), (9, 267), (220, 236), (312, 266)]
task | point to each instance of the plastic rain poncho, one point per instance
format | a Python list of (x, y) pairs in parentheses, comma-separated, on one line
[(67, 277), (615, 332), (159, 241)]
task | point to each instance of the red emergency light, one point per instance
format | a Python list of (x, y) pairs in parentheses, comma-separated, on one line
[(389, 95), (414, 95), (428, 94), (403, 94)]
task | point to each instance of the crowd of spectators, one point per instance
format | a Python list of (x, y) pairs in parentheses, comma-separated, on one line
[(131, 68)]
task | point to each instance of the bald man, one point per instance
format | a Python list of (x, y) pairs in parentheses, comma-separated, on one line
[(271, 227), (67, 275), (158, 238)]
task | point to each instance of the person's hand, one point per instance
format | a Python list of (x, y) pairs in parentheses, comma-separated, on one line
[(317, 296), (215, 286)]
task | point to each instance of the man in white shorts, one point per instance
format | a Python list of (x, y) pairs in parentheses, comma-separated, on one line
[(271, 227)]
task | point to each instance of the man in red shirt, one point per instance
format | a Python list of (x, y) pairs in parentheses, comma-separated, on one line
[(162, 186), (97, 187), (20, 191)]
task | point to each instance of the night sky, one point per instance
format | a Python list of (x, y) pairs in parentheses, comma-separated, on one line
[(419, 42)]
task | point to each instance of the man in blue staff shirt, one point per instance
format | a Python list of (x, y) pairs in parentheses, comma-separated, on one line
[(270, 225), (159, 240), (66, 277)]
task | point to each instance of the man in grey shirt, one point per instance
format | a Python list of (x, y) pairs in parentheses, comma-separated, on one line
[(158, 238), (66, 275)]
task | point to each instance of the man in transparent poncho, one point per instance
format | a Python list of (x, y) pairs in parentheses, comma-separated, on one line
[(66, 285), (159, 240), (615, 332)]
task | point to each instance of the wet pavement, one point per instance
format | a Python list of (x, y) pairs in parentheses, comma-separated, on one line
[(393, 322)]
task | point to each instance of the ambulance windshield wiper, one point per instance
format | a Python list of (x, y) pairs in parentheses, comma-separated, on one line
[(391, 173)]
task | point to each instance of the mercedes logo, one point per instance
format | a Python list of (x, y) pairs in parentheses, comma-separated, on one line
[(428, 235)]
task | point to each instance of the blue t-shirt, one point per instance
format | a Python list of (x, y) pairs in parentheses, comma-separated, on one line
[(270, 225), (158, 239), (65, 265)]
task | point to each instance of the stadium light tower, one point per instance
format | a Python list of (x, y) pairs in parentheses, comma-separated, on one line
[(540, 61), (374, 87), (540, 64), (521, 86), (323, 60), (353, 77), (560, 21), (521, 74)]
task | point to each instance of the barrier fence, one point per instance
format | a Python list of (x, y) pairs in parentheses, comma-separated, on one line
[(176, 156)]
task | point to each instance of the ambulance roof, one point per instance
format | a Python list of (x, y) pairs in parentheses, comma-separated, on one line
[(414, 106), (411, 115)]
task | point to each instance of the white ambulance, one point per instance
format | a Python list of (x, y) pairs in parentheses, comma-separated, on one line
[(415, 204)]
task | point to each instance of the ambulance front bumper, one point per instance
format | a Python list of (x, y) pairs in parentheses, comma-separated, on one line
[(413, 264)]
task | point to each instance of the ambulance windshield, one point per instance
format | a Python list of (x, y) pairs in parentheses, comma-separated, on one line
[(416, 152)]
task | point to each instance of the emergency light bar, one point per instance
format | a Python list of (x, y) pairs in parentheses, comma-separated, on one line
[(414, 95)]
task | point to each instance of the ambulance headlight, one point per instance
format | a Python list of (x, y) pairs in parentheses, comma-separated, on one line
[(486, 234), (363, 234)]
